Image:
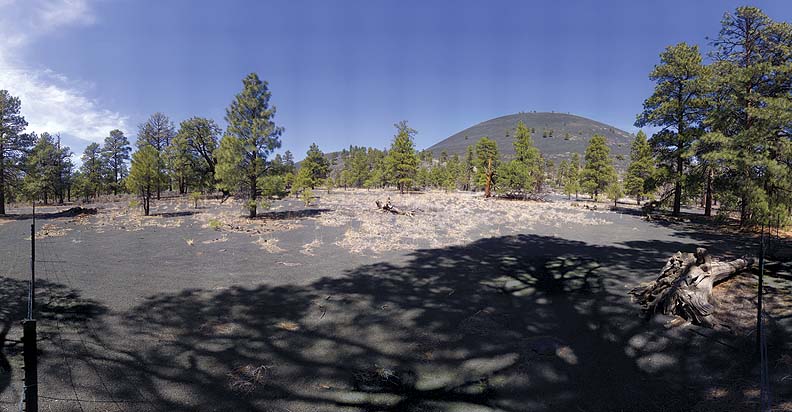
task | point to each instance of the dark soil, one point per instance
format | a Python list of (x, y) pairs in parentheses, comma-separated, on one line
[(145, 321)]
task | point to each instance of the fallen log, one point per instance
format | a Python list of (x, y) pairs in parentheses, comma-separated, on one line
[(684, 287), (388, 207)]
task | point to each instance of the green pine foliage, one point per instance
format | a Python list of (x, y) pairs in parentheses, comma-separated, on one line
[(316, 167), (571, 179), (486, 164), (402, 160), (145, 175), (250, 138), (676, 106), (598, 172), (115, 154), (639, 181), (14, 144)]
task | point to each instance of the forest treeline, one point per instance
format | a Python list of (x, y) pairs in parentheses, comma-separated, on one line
[(723, 124)]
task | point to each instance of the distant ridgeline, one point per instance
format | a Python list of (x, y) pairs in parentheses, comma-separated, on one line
[(556, 135)]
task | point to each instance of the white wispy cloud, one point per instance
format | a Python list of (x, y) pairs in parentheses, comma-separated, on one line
[(51, 102)]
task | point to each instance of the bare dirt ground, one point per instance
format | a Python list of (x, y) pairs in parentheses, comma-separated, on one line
[(469, 305)]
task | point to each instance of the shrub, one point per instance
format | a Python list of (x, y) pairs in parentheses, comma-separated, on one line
[(307, 197), (195, 196)]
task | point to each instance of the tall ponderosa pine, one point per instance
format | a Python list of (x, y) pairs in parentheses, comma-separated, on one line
[(157, 132), (250, 138), (92, 169), (116, 154), (402, 160), (201, 137), (598, 172), (486, 163), (749, 142), (145, 175), (14, 144), (677, 107), (640, 172)]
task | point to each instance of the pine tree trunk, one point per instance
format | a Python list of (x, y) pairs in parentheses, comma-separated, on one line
[(252, 197), (678, 188), (708, 195), (487, 188)]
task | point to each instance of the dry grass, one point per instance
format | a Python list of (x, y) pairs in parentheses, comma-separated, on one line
[(246, 378), (51, 230), (308, 248), (270, 245), (440, 219)]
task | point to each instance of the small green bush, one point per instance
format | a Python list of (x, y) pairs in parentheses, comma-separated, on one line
[(215, 224), (307, 197), (195, 197)]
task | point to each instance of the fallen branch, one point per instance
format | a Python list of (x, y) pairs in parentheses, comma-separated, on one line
[(684, 287), (388, 207)]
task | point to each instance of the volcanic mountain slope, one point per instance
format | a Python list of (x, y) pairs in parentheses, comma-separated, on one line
[(570, 134)]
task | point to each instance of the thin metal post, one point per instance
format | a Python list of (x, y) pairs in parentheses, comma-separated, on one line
[(31, 365), (32, 289), (759, 292)]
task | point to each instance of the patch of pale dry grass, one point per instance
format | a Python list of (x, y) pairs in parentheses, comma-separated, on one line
[(50, 230), (308, 248), (270, 245), (440, 219), (229, 217)]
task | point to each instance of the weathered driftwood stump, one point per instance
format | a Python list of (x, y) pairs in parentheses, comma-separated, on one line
[(684, 287), (388, 207)]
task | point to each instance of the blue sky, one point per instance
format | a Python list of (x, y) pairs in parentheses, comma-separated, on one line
[(341, 72)]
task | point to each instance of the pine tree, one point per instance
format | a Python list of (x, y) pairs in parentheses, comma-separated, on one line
[(486, 163), (599, 171), (145, 175), (180, 163), (41, 170), (615, 191), (157, 132), (469, 168), (316, 167), (572, 176), (201, 138), (677, 107), (115, 153), (250, 138), (640, 172), (14, 144), (93, 169), (402, 161), (750, 113)]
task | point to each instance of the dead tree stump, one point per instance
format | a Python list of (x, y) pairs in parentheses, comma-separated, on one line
[(388, 207), (684, 287)]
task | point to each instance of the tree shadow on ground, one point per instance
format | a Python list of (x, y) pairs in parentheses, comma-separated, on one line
[(175, 214), (55, 303), (290, 214), (512, 323), (70, 212)]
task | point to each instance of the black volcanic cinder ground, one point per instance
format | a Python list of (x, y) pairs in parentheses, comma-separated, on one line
[(167, 314)]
